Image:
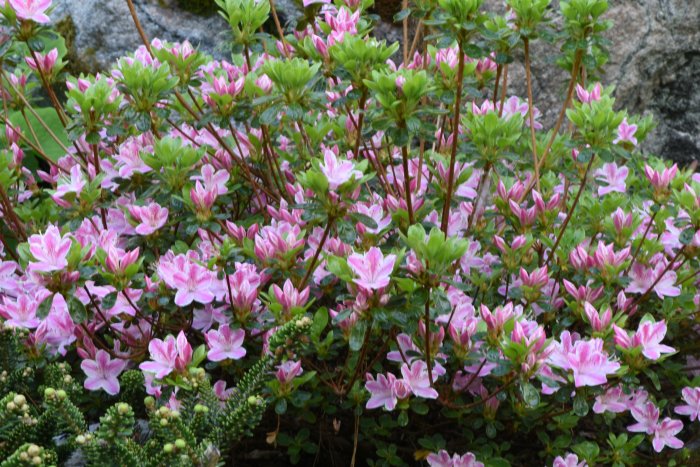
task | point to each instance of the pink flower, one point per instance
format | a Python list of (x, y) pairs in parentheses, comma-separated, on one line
[(486, 107), (376, 212), (665, 434), (647, 416), (526, 216), (643, 278), (118, 260), (691, 396), (50, 250), (44, 63), (69, 185), (571, 460), (220, 390), (598, 321), (586, 96), (314, 2), (129, 156), (614, 177), (58, 329), (648, 337), (102, 373), (225, 344), (660, 180), (289, 297), (536, 279), (264, 82), (625, 132), (193, 283), (400, 81), (381, 391), (20, 313), (580, 259), (590, 363), (417, 379), (613, 400), (374, 270), (287, 371), (337, 171), (621, 220), (244, 283), (583, 293), (168, 355), (32, 10), (212, 178), (605, 256), (202, 197), (443, 459), (496, 320), (150, 218)]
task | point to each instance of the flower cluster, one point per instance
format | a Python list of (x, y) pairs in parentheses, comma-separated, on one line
[(474, 280)]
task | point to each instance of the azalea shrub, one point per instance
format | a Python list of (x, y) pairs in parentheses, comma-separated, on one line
[(379, 243)]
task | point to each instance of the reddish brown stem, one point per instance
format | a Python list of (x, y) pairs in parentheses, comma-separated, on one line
[(455, 139), (312, 264), (531, 115), (407, 184), (571, 211)]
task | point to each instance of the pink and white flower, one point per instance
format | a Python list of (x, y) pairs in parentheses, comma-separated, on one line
[(691, 396), (337, 171), (150, 218), (31, 10), (168, 355), (50, 250), (102, 372), (373, 269), (225, 344)]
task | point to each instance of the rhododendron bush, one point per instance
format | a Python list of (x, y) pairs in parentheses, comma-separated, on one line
[(332, 249)]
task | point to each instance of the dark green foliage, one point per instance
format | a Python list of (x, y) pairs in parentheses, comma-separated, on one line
[(200, 7), (49, 424)]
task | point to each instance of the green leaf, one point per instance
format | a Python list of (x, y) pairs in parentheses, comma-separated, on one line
[(44, 307), (364, 219), (77, 310), (320, 322), (357, 336), (403, 418), (687, 236), (587, 450), (653, 377), (199, 355), (401, 15), (580, 405), (281, 406), (531, 395), (45, 142), (108, 301)]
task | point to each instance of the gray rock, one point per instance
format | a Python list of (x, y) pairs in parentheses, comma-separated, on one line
[(654, 59), (654, 64), (104, 30)]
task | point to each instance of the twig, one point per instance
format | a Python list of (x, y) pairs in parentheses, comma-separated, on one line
[(455, 139), (312, 265), (531, 115), (571, 211), (407, 184)]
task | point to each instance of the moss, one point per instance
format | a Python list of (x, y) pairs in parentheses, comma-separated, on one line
[(200, 7), (75, 63), (386, 9)]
